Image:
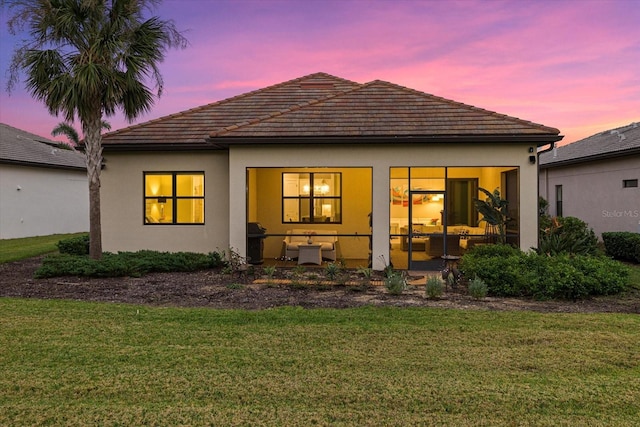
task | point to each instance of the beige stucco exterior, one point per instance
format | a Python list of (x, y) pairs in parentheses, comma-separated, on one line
[(122, 203), (229, 205), (39, 201), (380, 158), (593, 191)]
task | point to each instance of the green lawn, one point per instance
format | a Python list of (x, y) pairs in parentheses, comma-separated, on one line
[(73, 363), (17, 249)]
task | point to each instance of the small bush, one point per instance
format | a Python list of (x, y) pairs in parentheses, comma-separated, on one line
[(433, 287), (217, 259), (395, 283), (622, 245), (503, 267), (332, 270), (270, 271), (74, 246), (568, 235), (477, 288)]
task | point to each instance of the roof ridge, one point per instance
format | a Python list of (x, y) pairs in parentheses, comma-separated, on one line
[(467, 106), (290, 109), (236, 126), (230, 99)]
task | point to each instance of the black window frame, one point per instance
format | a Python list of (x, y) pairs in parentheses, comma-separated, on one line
[(174, 197), (310, 199), (630, 183)]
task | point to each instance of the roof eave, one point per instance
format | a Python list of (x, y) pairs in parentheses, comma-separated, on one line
[(161, 147), (41, 165), (539, 140)]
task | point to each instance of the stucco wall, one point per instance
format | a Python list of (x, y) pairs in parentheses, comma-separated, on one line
[(36, 201), (593, 192), (122, 203), (381, 158)]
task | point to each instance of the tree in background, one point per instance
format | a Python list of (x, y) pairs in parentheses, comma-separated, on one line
[(85, 59), (64, 128)]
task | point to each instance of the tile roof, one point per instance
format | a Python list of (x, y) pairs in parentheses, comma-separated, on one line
[(380, 108), (322, 106), (194, 126), (621, 141), (21, 147)]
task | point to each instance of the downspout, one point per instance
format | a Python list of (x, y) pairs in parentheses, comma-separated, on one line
[(552, 145)]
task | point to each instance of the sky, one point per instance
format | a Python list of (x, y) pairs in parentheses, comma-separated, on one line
[(569, 64)]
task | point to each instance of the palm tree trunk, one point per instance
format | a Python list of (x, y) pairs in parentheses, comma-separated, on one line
[(93, 151)]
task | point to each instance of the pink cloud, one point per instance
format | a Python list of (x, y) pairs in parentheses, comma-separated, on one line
[(551, 62)]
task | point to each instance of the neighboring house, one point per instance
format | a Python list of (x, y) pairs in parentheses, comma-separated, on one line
[(325, 156), (596, 179), (43, 188)]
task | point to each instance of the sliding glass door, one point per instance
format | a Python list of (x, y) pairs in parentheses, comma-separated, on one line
[(426, 239)]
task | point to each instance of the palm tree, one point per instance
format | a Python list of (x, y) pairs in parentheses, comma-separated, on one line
[(64, 128), (85, 59)]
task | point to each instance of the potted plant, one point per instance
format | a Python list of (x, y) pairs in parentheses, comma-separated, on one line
[(494, 210)]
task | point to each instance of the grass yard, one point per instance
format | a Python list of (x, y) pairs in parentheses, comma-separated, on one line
[(74, 363), (17, 249)]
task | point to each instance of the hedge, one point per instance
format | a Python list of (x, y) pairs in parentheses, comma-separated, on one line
[(622, 245), (508, 271), (127, 264)]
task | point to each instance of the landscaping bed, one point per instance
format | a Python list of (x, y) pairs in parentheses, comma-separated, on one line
[(212, 288)]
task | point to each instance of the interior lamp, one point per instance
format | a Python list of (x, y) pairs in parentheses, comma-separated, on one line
[(161, 202)]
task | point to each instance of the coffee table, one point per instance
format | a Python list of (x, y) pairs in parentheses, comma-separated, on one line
[(309, 254)]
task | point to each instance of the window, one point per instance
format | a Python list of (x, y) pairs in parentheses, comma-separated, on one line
[(312, 197), (558, 200), (174, 198), (629, 183)]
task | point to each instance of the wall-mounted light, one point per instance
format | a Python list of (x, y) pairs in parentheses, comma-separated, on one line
[(161, 202), (531, 149)]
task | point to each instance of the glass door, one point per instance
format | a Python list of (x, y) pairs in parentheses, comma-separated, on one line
[(427, 230)]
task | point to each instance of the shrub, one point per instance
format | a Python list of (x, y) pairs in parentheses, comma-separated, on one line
[(270, 271), (622, 245), (122, 264), (478, 288), (515, 273), (332, 270), (433, 288), (217, 259), (568, 235), (74, 245), (502, 267), (395, 283)]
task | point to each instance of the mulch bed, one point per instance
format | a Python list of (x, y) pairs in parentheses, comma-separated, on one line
[(216, 290)]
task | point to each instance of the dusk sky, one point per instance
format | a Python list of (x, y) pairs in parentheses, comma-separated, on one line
[(569, 64)]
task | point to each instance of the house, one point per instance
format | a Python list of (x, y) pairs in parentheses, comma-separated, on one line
[(372, 164), (43, 188), (596, 179)]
